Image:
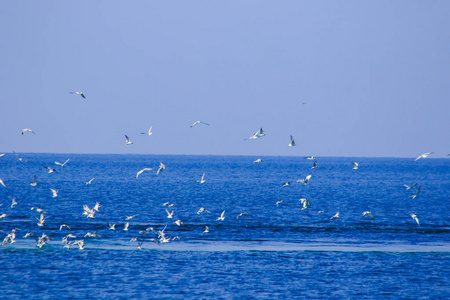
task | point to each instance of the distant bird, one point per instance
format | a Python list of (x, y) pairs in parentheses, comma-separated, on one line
[(112, 226), (127, 225), (292, 143), (260, 133), (34, 183), (335, 216), (143, 170), (162, 166), (206, 229), (2, 183), (355, 165), (90, 181), (168, 204), (409, 187), (286, 184), (201, 209), (41, 220), (279, 202), (258, 160), (314, 165), (20, 158), (240, 215), (3, 216), (88, 212), (309, 157), (415, 218), (169, 214), (198, 122), (96, 206), (54, 192), (305, 180), (2, 154), (64, 226), (25, 130), (127, 141), (14, 202), (130, 217), (222, 217), (62, 165), (368, 213), (79, 243), (417, 193), (92, 234), (202, 180), (50, 169), (178, 222), (305, 203), (149, 132), (28, 234), (423, 155), (79, 93)]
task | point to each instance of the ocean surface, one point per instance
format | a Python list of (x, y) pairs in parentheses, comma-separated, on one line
[(268, 245)]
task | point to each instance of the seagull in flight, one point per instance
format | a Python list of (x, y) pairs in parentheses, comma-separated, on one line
[(54, 192), (335, 216), (424, 155), (198, 122), (50, 170), (14, 202), (34, 183), (62, 165), (149, 132), (409, 187), (90, 181), (240, 215), (292, 143), (143, 170), (127, 141), (305, 203), (2, 154), (417, 193), (203, 179), (20, 158), (415, 218), (355, 165), (201, 209), (258, 160), (221, 218), (162, 166), (305, 181), (169, 214), (279, 202), (130, 217), (368, 213), (168, 204), (286, 184), (309, 157), (206, 229), (25, 130), (260, 133), (314, 165), (79, 93), (2, 183)]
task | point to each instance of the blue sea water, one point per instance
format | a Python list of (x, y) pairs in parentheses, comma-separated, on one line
[(271, 251)]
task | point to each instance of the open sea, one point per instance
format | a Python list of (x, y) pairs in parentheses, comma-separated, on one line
[(267, 246)]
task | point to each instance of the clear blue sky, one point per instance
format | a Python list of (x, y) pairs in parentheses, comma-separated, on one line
[(374, 76)]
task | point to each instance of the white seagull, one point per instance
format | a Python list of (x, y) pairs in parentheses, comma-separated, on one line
[(62, 165), (221, 218), (2, 154), (292, 143), (14, 202), (286, 184), (206, 229), (314, 165), (169, 214), (143, 170), (34, 183), (424, 155), (198, 122), (279, 202), (79, 93), (149, 132), (335, 216), (50, 169), (260, 133), (127, 140), (162, 166), (355, 165), (305, 203), (203, 179), (90, 181), (54, 192), (258, 160), (201, 209), (306, 180), (127, 224), (368, 213), (309, 157), (409, 187), (2, 183), (27, 130), (417, 193), (415, 218), (130, 217)]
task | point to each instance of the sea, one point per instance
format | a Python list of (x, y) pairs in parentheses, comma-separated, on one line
[(243, 233)]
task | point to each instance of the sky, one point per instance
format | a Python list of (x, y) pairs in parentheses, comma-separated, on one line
[(344, 78)]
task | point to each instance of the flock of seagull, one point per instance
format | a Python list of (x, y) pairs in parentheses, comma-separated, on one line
[(160, 237)]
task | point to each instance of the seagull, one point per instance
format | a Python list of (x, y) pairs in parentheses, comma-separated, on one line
[(240, 215), (424, 155), (64, 225), (14, 202), (149, 132), (2, 154), (292, 143), (27, 130), (79, 93), (258, 160), (305, 181), (50, 170), (96, 206), (3, 216), (415, 218), (143, 170), (79, 243), (127, 224), (127, 142), (221, 218), (279, 202), (90, 181), (34, 183), (314, 165), (162, 166), (112, 226), (335, 216), (368, 213), (417, 193), (169, 214), (20, 158), (409, 187), (55, 192), (168, 204), (260, 133), (2, 183), (178, 222), (286, 184), (92, 234), (28, 234), (206, 229), (139, 245), (355, 165), (62, 165), (198, 122), (88, 212), (203, 179), (305, 203), (201, 209), (41, 220), (309, 157), (130, 217)]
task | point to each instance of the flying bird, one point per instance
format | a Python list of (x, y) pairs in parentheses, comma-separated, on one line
[(202, 180), (2, 154), (198, 122), (305, 203), (169, 214), (258, 160), (309, 157), (127, 141), (34, 183), (50, 169), (20, 158), (54, 192), (417, 193), (260, 133), (143, 170), (409, 187), (162, 166), (415, 218), (2, 183), (201, 209), (62, 165), (305, 181), (292, 143), (79, 93), (27, 130), (286, 184), (424, 155), (314, 165), (130, 217), (335, 216), (240, 215), (279, 202), (90, 181), (368, 213), (355, 165), (149, 132), (221, 218), (14, 202)]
